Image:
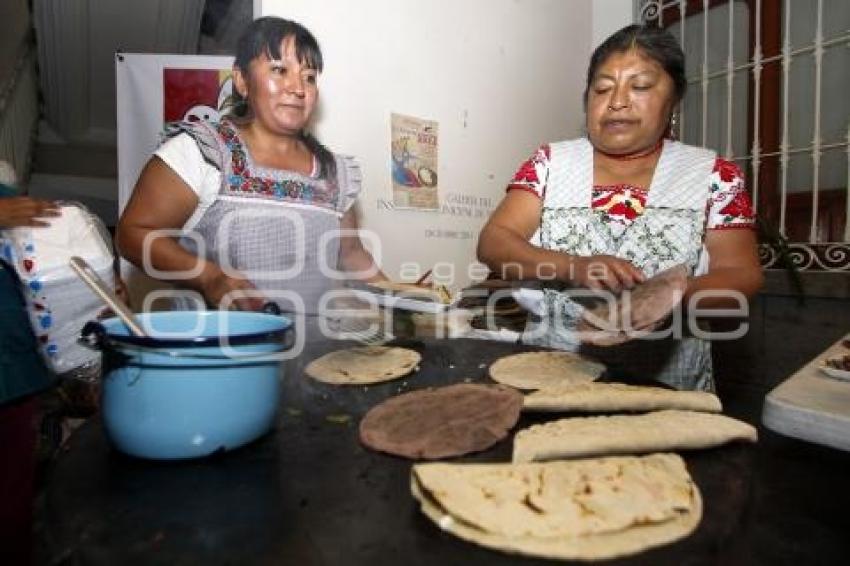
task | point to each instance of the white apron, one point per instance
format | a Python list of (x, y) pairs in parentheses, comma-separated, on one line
[(274, 226), (670, 231)]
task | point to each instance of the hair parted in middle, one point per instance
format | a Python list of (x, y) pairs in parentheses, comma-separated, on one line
[(653, 42), (264, 36)]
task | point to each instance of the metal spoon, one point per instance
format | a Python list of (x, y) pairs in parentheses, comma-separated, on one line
[(98, 285)]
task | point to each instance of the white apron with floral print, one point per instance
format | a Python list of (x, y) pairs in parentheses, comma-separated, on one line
[(670, 231)]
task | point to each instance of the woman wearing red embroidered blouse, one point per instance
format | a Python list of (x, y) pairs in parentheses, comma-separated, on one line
[(607, 211), (263, 200)]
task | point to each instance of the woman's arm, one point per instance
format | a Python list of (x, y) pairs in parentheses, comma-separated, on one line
[(504, 247), (162, 200), (353, 256), (734, 271)]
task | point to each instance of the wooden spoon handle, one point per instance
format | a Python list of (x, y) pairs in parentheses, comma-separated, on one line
[(93, 280)]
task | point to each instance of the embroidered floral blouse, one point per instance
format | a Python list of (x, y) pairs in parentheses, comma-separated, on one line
[(728, 207)]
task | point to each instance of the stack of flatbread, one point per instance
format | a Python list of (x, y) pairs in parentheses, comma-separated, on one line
[(584, 509), (439, 293), (548, 503), (636, 312), (493, 305), (588, 509), (611, 503)]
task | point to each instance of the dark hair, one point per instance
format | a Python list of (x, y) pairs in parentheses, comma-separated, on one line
[(654, 42), (264, 36)]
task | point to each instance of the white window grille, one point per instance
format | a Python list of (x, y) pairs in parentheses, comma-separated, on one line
[(767, 88)]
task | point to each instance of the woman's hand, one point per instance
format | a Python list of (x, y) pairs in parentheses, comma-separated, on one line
[(222, 290), (354, 258), (160, 205), (26, 211), (504, 247), (600, 272)]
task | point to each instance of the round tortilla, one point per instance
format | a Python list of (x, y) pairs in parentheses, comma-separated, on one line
[(542, 370), (363, 365), (442, 422), (638, 537)]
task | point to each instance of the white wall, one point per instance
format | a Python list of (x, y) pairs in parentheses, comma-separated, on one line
[(500, 77), (609, 16)]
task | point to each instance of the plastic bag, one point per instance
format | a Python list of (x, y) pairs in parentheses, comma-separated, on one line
[(58, 302)]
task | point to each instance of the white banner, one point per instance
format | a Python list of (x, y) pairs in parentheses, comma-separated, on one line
[(143, 104)]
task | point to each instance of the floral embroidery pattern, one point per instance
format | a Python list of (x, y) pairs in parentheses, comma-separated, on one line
[(620, 204), (727, 170), (665, 237), (242, 182), (739, 206), (729, 205), (533, 174)]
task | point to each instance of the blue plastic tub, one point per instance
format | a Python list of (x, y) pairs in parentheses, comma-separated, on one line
[(203, 382)]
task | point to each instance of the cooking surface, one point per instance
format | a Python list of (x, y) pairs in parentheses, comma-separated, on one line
[(309, 493)]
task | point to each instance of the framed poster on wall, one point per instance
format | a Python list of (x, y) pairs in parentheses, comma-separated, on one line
[(414, 148)]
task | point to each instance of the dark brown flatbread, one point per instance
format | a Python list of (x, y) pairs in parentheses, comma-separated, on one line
[(636, 312), (442, 422)]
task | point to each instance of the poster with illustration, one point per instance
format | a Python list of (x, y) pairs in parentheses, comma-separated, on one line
[(195, 94), (414, 146)]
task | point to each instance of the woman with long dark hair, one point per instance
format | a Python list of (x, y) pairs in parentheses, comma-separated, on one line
[(261, 199)]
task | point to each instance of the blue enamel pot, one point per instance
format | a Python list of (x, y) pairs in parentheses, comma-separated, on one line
[(199, 383)]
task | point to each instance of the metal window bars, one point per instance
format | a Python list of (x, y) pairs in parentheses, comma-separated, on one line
[(705, 15)]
